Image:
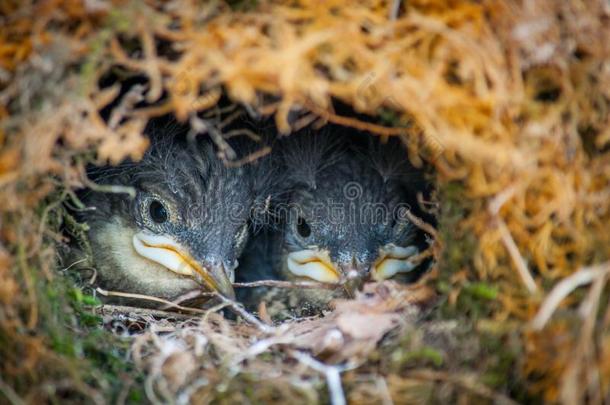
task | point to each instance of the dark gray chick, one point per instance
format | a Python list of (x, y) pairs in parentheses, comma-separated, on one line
[(344, 220), (185, 228)]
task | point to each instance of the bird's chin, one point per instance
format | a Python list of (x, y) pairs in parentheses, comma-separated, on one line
[(393, 260), (313, 264), (164, 250)]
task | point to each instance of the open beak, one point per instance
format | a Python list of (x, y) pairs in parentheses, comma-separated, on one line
[(313, 264), (167, 252), (392, 260)]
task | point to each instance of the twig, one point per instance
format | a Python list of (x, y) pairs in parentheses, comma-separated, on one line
[(500, 199), (304, 121), (420, 257), (148, 298), (121, 58), (248, 317), (563, 289), (151, 62), (288, 284), (217, 112), (131, 98), (494, 209), (10, 394), (429, 207), (214, 309), (201, 126), (421, 224), (394, 10), (515, 255), (228, 120), (189, 296), (582, 358), (108, 188), (250, 158), (332, 374), (135, 311), (356, 123), (242, 131), (73, 264), (93, 277), (261, 346)]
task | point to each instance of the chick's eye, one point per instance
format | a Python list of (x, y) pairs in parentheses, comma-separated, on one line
[(157, 211), (303, 228)]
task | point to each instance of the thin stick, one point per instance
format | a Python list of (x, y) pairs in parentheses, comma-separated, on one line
[(151, 62), (127, 310), (500, 199), (515, 255), (288, 284), (232, 117), (239, 132), (10, 394), (563, 289), (108, 188), (73, 264), (250, 158), (423, 205), (189, 296), (248, 317), (356, 123), (394, 10), (332, 374), (201, 126), (148, 298), (421, 224), (420, 257), (133, 96), (94, 276), (494, 208)]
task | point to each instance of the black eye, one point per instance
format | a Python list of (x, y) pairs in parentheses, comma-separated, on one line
[(157, 211), (303, 228)]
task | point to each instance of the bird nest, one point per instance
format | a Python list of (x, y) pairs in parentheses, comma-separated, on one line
[(507, 102)]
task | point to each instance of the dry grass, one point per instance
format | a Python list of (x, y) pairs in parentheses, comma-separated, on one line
[(508, 101)]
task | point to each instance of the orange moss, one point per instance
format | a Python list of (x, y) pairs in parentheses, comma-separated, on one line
[(509, 99)]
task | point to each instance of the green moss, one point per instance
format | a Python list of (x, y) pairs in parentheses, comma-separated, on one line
[(118, 21), (459, 245), (476, 299), (91, 360), (423, 356)]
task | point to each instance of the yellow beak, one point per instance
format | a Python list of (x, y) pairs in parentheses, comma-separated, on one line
[(392, 260), (314, 264), (165, 251)]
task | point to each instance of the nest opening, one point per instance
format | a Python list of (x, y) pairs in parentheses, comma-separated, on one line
[(504, 105)]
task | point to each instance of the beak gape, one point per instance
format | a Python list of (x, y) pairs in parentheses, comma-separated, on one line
[(164, 250), (313, 264), (392, 260), (317, 265)]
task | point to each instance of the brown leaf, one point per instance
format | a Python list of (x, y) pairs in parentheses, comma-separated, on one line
[(367, 326)]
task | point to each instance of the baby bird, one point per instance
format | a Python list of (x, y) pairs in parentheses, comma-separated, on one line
[(185, 227), (345, 218)]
